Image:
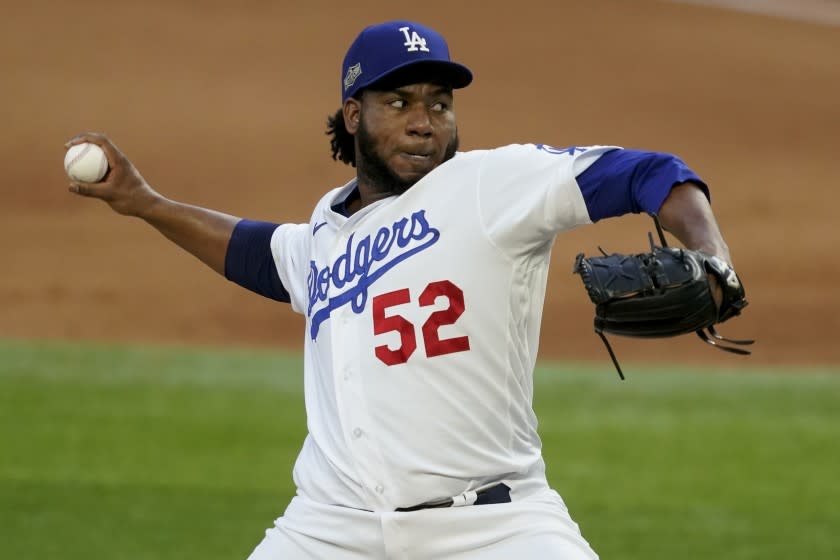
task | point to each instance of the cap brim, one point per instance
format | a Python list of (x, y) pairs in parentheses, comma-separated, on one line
[(442, 72)]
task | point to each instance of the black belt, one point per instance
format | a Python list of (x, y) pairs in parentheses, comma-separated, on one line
[(498, 494)]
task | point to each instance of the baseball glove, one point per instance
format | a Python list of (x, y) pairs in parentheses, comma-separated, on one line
[(662, 293)]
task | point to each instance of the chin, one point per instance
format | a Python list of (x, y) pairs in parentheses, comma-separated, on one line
[(414, 172), (409, 178)]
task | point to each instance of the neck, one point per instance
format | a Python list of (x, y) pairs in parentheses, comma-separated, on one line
[(368, 192)]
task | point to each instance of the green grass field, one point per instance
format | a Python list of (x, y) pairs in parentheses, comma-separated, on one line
[(130, 453)]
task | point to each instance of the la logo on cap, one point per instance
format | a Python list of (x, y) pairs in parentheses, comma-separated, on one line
[(414, 42), (382, 49)]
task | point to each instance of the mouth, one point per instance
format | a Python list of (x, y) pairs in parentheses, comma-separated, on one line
[(417, 155)]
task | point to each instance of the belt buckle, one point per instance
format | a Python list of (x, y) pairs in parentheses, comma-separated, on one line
[(497, 494)]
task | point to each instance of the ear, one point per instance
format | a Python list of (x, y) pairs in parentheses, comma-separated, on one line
[(352, 110)]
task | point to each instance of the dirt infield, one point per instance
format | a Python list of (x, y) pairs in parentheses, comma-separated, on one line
[(224, 106)]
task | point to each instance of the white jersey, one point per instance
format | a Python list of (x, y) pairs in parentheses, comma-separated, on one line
[(423, 316)]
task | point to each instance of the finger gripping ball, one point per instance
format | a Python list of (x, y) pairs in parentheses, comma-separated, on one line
[(86, 163)]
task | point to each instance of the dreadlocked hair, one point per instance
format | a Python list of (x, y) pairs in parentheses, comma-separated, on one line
[(342, 142)]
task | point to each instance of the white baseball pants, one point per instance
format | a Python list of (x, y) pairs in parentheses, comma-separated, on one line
[(538, 526)]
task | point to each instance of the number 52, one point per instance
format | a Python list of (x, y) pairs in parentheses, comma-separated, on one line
[(435, 346)]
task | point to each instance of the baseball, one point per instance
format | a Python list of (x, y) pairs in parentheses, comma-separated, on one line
[(86, 163)]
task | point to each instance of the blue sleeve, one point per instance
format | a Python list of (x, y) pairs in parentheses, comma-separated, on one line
[(631, 181), (249, 262)]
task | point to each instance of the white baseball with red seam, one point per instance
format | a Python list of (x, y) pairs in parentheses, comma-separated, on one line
[(86, 163)]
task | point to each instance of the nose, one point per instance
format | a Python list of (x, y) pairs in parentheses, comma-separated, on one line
[(419, 123)]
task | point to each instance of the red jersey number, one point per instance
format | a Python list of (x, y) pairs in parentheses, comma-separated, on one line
[(435, 346)]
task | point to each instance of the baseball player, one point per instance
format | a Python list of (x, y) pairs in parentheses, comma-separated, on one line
[(421, 281)]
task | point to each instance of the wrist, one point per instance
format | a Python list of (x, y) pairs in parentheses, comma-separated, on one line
[(149, 205)]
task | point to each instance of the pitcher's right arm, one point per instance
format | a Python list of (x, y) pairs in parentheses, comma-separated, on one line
[(202, 232)]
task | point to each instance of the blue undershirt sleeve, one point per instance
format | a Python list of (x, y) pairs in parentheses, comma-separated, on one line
[(249, 262), (632, 181)]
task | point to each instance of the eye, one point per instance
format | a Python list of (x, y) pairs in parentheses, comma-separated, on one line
[(397, 103), (440, 107)]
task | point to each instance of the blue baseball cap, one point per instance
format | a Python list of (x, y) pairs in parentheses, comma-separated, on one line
[(382, 49)]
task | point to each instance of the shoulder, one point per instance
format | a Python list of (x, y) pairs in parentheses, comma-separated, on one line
[(526, 154), (539, 150), (534, 159)]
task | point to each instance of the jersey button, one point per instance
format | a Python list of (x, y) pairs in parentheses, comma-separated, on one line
[(357, 433), (379, 489)]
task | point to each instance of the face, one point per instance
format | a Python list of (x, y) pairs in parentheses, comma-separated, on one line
[(402, 134)]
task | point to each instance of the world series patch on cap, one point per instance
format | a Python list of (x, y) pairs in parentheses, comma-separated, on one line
[(381, 50)]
